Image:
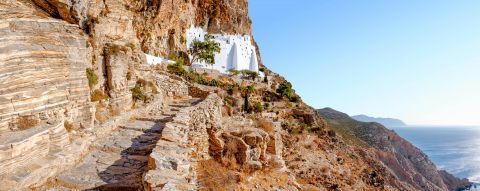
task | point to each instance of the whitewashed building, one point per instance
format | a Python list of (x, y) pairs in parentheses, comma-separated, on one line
[(236, 51), (153, 60)]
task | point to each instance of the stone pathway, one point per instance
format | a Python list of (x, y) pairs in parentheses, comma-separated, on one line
[(120, 160)]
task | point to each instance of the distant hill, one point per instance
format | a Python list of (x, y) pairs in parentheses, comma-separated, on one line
[(388, 122)]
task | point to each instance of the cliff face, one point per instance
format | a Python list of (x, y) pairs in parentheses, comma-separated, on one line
[(43, 64), (81, 109)]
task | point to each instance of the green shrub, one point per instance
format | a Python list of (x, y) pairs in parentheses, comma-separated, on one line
[(152, 87), (176, 68), (303, 126), (265, 79), (214, 83), (285, 90), (92, 77), (266, 105), (250, 88), (250, 74), (183, 40), (233, 72), (138, 92), (295, 131), (258, 107)]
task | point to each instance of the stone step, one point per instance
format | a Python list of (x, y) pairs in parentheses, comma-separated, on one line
[(155, 118), (120, 160), (178, 105), (159, 178), (170, 113), (141, 125)]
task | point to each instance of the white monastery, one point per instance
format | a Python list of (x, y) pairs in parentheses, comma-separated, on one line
[(236, 52)]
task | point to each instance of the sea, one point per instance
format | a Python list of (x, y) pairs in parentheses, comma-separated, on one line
[(454, 149)]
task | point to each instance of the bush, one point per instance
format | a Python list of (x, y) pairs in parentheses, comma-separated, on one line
[(176, 68), (258, 107), (138, 92), (92, 77), (285, 90), (233, 72), (68, 126), (26, 122), (295, 131), (129, 75), (214, 83), (250, 88), (303, 126), (251, 74), (183, 40), (152, 87), (266, 105), (115, 49), (98, 95)]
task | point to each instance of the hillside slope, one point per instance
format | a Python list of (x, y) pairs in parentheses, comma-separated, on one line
[(407, 162)]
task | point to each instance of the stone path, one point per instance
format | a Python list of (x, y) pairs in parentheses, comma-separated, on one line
[(120, 160)]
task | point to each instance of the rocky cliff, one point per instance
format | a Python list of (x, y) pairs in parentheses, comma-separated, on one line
[(407, 162), (80, 109)]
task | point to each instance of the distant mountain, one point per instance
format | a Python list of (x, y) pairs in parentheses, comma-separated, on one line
[(388, 122)]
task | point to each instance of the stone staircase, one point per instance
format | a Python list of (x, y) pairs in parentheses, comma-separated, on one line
[(119, 160)]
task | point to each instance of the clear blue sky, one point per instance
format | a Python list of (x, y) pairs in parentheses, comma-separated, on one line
[(414, 60)]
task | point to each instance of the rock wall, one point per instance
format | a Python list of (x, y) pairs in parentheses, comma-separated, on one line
[(161, 25), (42, 69)]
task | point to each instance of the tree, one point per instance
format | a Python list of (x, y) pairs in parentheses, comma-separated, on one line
[(204, 51), (246, 105)]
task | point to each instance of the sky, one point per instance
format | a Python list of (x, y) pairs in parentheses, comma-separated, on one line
[(418, 61)]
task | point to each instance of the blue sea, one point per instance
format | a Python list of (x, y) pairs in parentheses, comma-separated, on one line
[(454, 149)]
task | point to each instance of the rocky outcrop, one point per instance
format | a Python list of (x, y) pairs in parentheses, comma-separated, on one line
[(43, 64), (73, 12), (161, 25)]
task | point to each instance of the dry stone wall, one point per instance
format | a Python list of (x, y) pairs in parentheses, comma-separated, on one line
[(183, 142)]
